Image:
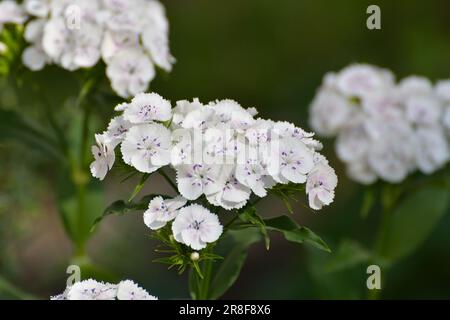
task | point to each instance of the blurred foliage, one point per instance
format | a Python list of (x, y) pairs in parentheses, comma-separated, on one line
[(267, 54)]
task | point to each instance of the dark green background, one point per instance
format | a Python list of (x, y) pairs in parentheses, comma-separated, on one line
[(270, 55)]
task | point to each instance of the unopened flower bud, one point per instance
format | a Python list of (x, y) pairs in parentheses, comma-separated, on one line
[(195, 256)]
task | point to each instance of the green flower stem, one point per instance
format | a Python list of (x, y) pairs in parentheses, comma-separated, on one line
[(389, 201), (203, 285)]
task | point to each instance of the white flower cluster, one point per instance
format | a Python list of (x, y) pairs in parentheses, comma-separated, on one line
[(219, 151), (385, 130), (94, 290), (131, 36)]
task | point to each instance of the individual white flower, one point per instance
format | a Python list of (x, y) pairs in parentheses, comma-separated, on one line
[(383, 105), (147, 147), (361, 172), (117, 129), (392, 153), (104, 156), (11, 12), (34, 58), (423, 109), (357, 80), (291, 162), (92, 290), (443, 90), (260, 133), (72, 48), (285, 129), (160, 211), (353, 142), (414, 85), (128, 290), (182, 108), (115, 41), (148, 107), (320, 185), (196, 226), (233, 195), (432, 150), (130, 72), (200, 119), (253, 174), (197, 179), (37, 8), (155, 36), (326, 103)]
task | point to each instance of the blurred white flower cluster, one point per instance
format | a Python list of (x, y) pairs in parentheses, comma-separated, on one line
[(385, 130), (93, 290), (130, 36), (220, 152)]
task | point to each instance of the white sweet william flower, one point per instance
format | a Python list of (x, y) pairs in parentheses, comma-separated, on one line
[(353, 142), (196, 226), (320, 185), (37, 8), (325, 104), (148, 107), (287, 129), (442, 89), (104, 156), (130, 72), (34, 58), (423, 109), (117, 129), (115, 41), (361, 172), (414, 85), (147, 147), (155, 35), (292, 162), (92, 290), (182, 108), (128, 290), (357, 80), (253, 174), (233, 195), (160, 211), (432, 149), (72, 48), (11, 12), (197, 179)]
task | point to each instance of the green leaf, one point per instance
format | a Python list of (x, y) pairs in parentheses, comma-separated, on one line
[(13, 127), (231, 266), (295, 233), (250, 215), (121, 207), (348, 255), (413, 220)]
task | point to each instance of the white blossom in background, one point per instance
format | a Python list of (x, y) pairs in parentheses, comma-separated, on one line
[(384, 130), (94, 290), (130, 36), (220, 154)]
